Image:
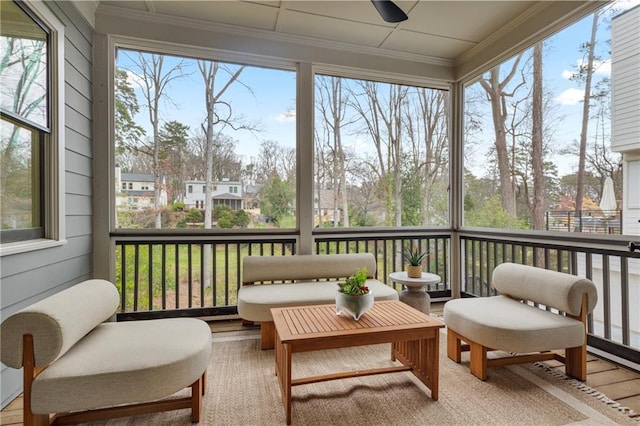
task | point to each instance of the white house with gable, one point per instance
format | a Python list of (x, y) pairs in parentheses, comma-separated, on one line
[(136, 190), (225, 192)]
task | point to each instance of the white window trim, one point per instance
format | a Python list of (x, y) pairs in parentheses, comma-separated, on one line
[(54, 189)]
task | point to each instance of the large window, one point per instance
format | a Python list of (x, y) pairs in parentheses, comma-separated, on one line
[(25, 122), (381, 154), (185, 123), (536, 155)]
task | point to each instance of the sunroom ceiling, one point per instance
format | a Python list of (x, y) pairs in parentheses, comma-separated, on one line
[(436, 31)]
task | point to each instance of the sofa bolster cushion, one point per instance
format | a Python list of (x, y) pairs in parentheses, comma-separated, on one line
[(58, 321), (123, 363), (305, 267), (255, 301), (500, 322), (550, 288)]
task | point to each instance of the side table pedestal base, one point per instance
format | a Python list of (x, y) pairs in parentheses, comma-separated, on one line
[(417, 298)]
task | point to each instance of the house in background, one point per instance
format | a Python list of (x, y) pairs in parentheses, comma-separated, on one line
[(323, 208), (137, 190), (625, 104), (226, 193)]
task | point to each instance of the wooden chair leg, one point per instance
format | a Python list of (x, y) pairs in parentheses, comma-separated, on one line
[(267, 335), (29, 372), (575, 362), (196, 399), (478, 360), (575, 359), (454, 346)]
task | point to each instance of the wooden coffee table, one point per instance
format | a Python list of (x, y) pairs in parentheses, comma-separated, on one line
[(414, 338)]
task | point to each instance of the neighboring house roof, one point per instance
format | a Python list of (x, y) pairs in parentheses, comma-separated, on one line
[(226, 196), (252, 189), (215, 182), (138, 193), (137, 177)]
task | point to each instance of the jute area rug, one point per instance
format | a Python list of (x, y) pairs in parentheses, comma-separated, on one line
[(242, 390)]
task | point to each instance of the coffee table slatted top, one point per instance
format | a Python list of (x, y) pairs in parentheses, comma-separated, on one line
[(317, 321)]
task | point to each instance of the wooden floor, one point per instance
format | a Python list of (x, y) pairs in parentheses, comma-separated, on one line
[(616, 382)]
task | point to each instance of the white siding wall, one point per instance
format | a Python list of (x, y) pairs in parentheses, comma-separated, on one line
[(631, 194), (29, 277), (625, 96), (197, 191), (625, 105)]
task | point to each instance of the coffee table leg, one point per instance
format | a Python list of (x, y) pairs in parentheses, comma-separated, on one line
[(285, 379), (423, 356), (433, 363), (276, 354)]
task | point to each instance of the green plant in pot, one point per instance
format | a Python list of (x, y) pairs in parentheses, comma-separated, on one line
[(353, 296), (414, 258)]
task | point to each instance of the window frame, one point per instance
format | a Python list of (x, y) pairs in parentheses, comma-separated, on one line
[(386, 78), (52, 166), (115, 42), (472, 76)]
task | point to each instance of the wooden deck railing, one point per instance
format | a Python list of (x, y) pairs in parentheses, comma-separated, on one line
[(614, 326), (163, 275)]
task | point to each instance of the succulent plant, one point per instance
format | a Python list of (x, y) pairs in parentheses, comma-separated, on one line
[(415, 256), (354, 284)]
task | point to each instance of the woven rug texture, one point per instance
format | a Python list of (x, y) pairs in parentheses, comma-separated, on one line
[(242, 389)]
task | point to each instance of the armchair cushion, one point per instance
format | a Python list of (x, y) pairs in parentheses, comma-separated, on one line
[(124, 363), (58, 322), (503, 323), (550, 288)]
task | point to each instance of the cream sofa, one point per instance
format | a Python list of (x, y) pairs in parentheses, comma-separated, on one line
[(505, 323), (312, 281), (82, 366)]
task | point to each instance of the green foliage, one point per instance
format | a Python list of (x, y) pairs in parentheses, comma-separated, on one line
[(173, 137), (194, 216), (278, 198), (181, 263), (127, 132), (354, 284), (359, 217), (241, 219), (220, 211), (411, 200), (490, 214), (414, 256), (287, 222), (225, 219), (178, 206)]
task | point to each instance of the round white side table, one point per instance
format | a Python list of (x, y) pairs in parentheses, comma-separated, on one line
[(414, 293)]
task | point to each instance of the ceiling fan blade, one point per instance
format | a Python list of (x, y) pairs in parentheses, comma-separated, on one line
[(389, 11)]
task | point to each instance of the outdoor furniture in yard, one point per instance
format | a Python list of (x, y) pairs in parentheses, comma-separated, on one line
[(414, 338), (82, 366), (509, 322)]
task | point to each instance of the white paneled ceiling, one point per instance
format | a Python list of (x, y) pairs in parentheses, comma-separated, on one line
[(435, 30)]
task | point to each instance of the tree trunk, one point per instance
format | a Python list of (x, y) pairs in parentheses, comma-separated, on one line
[(499, 115), (495, 90), (537, 160), (585, 120)]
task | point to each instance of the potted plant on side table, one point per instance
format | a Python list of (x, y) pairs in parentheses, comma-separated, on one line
[(353, 296), (414, 257)]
